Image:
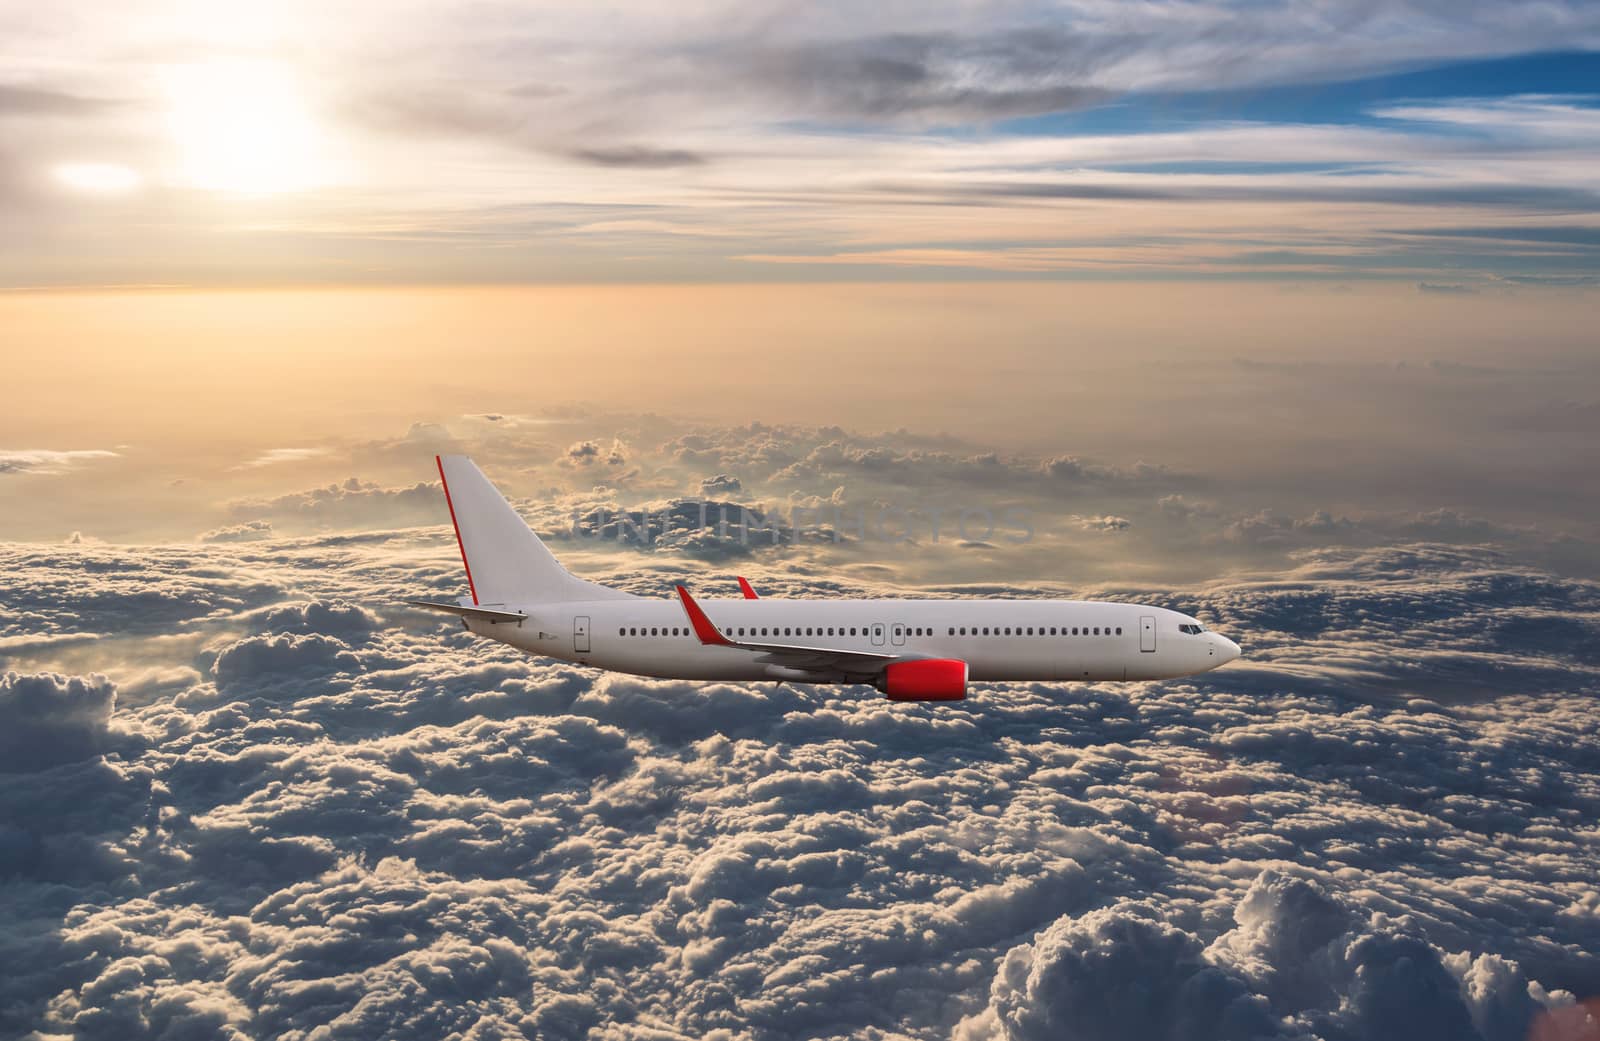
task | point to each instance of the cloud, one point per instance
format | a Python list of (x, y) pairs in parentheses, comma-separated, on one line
[(250, 532), (48, 719), (24, 100), (1105, 523), (353, 503), (276, 456), (1122, 972), (930, 78), (280, 659), (720, 484), (1297, 964), (588, 453), (44, 461), (326, 814), (826, 108), (639, 157)]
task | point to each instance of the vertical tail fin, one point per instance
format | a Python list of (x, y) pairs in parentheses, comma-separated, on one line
[(505, 561)]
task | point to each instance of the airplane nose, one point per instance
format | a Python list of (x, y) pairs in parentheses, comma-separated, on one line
[(1230, 650)]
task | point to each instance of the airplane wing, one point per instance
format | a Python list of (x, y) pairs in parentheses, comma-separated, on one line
[(488, 614), (807, 659)]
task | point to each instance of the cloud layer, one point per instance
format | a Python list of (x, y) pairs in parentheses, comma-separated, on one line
[(314, 814)]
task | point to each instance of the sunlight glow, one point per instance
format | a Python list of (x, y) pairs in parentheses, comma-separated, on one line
[(243, 126), (98, 178)]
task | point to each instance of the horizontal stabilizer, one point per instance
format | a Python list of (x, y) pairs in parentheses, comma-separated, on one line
[(488, 614)]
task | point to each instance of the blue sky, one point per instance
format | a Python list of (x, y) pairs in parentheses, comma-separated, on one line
[(1575, 74)]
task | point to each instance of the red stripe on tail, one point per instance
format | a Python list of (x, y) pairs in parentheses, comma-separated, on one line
[(456, 526)]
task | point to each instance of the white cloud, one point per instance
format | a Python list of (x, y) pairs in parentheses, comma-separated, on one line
[(278, 456), (48, 461), (313, 819)]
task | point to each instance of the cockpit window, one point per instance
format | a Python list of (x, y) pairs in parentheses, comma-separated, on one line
[(1190, 627)]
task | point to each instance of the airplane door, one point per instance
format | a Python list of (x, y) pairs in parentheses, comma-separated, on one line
[(1147, 633), (580, 634), (877, 634), (897, 635)]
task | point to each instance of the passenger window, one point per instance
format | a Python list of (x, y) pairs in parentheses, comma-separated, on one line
[(1119, 630), (1074, 630)]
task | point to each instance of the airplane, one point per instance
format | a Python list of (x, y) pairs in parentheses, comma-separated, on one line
[(910, 650)]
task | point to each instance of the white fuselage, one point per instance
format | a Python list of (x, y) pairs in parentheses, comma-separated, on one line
[(998, 639)]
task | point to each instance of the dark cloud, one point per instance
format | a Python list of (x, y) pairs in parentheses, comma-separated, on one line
[(281, 658), (249, 532), (18, 99), (704, 528), (48, 719), (932, 77), (1541, 198), (639, 157), (720, 484), (589, 453)]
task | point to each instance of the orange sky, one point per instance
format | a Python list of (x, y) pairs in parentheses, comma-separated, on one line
[(1299, 398)]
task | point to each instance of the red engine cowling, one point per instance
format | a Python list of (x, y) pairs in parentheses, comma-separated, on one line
[(929, 679)]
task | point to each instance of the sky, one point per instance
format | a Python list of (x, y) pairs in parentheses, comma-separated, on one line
[(1281, 314), (302, 143)]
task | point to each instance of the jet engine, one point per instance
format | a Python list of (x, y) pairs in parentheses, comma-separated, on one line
[(927, 679)]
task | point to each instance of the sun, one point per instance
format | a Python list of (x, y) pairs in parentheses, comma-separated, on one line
[(243, 126)]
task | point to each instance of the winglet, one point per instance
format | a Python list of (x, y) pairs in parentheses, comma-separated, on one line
[(703, 628), (744, 587)]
